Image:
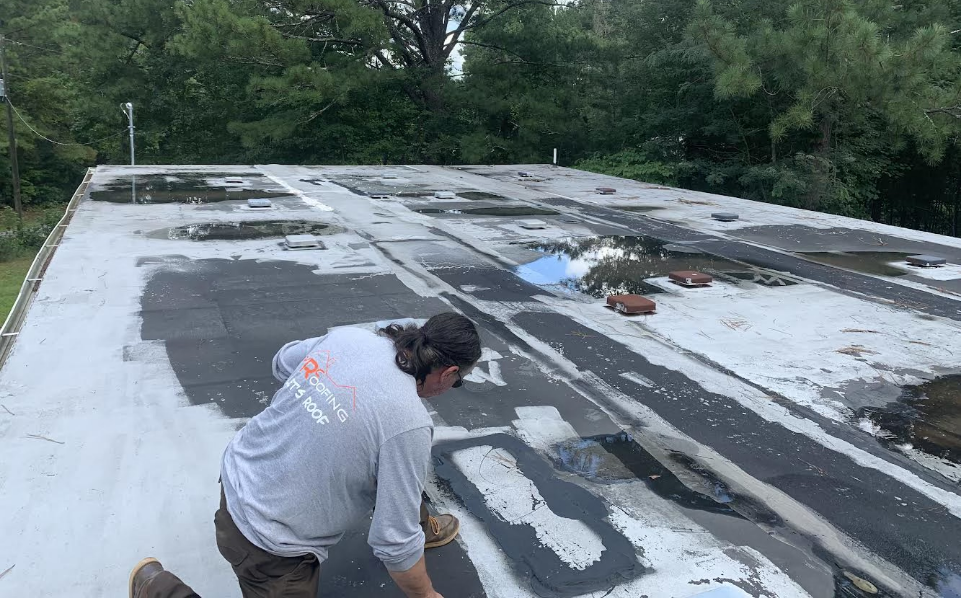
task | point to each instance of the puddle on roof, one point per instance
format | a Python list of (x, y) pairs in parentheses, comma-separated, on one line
[(638, 208), (238, 231), (480, 195), (947, 583), (416, 193), (763, 277), (192, 188), (602, 266), (614, 458), (366, 185), (926, 417), (610, 459), (505, 211), (866, 262)]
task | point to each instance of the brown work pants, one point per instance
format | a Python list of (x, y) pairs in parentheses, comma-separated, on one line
[(261, 574)]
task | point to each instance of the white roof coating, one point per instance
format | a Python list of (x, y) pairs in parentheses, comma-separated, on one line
[(796, 420)]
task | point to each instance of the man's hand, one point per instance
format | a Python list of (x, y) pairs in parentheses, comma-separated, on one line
[(415, 582)]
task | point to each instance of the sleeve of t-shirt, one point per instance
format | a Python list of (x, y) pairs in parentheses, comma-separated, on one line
[(292, 355), (395, 533)]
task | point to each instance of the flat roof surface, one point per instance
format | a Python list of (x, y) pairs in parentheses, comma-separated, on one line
[(790, 430)]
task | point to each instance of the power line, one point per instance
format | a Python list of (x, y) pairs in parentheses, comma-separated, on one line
[(45, 138), (51, 50)]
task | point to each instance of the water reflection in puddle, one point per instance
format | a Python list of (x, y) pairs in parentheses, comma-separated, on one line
[(480, 195), (927, 417), (505, 211), (641, 209), (613, 458), (237, 231), (866, 262), (948, 584), (602, 266)]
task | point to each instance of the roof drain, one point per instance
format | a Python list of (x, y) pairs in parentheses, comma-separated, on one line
[(725, 216), (926, 261)]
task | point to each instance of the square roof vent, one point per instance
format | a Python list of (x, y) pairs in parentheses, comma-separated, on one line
[(259, 204), (690, 278), (725, 216), (631, 304), (532, 224), (445, 195), (926, 261), (303, 242), (606, 190), (524, 174)]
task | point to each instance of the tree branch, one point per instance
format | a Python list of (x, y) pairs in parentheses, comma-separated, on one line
[(520, 59), (133, 52), (379, 55), (954, 111), (319, 112), (488, 19), (408, 22), (454, 36), (322, 40)]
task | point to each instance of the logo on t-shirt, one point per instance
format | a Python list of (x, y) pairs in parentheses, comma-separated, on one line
[(313, 384)]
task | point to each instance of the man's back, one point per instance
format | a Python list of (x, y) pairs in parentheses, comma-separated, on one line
[(346, 421)]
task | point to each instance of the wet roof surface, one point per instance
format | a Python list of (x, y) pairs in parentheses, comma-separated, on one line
[(786, 430)]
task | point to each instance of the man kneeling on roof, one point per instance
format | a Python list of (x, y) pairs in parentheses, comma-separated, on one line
[(347, 433)]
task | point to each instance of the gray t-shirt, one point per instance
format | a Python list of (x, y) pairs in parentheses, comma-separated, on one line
[(347, 431)]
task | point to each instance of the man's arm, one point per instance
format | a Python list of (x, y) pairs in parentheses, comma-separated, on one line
[(395, 532), (415, 582)]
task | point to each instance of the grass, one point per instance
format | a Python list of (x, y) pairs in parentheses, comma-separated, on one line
[(12, 273), (31, 215), (19, 246)]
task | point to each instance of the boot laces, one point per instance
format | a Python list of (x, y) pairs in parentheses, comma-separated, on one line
[(434, 525)]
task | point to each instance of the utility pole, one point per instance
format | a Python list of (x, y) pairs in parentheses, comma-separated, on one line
[(4, 97), (128, 110)]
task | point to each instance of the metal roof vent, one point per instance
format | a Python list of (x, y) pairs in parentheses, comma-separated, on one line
[(690, 278), (606, 190), (926, 261), (258, 204), (532, 224), (234, 180), (524, 174), (445, 195), (725, 216), (631, 304), (300, 242)]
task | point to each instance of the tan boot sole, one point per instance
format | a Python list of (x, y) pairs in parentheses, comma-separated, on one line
[(137, 569), (444, 542)]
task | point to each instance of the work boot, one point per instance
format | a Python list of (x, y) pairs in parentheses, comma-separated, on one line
[(142, 574), (440, 530)]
